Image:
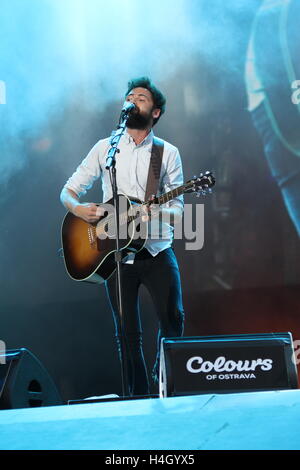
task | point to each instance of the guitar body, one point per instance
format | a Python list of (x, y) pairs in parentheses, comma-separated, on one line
[(89, 250)]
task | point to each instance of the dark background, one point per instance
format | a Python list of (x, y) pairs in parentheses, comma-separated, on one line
[(246, 277)]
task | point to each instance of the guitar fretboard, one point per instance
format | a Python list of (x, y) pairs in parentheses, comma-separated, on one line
[(170, 194), (166, 197), (158, 200), (136, 210)]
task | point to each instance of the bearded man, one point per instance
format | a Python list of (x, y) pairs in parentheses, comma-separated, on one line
[(155, 266)]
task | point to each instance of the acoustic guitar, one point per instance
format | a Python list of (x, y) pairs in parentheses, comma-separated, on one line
[(89, 248)]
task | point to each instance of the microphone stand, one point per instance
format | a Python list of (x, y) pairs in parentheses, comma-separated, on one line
[(111, 166)]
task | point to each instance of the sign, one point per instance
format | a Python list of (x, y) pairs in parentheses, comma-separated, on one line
[(233, 363)]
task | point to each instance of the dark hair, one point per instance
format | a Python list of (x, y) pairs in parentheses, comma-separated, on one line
[(158, 98)]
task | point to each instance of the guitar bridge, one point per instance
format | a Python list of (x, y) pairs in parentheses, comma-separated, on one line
[(92, 236)]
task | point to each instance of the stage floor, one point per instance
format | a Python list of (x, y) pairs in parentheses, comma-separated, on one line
[(256, 420)]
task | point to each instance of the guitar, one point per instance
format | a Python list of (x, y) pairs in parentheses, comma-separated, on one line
[(89, 248)]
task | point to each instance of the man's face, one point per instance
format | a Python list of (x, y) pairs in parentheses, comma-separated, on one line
[(144, 113)]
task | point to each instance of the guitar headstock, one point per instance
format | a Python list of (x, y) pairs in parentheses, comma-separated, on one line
[(201, 185)]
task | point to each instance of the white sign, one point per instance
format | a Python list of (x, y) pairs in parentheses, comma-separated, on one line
[(196, 365)]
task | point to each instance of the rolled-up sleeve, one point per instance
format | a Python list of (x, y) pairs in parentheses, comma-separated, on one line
[(86, 173), (173, 178)]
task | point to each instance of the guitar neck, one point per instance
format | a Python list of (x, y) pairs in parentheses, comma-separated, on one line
[(170, 195), (203, 182), (166, 197)]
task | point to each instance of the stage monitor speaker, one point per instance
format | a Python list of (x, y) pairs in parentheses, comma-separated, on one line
[(226, 364), (24, 382)]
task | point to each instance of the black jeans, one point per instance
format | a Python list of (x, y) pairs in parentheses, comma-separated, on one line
[(160, 275)]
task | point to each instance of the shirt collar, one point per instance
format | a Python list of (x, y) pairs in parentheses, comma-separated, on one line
[(147, 140)]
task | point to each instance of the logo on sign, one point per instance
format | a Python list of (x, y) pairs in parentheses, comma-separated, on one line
[(224, 369)]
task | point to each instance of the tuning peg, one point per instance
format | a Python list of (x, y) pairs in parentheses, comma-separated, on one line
[(201, 193)]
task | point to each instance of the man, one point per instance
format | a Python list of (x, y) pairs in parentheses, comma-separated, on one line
[(271, 67), (155, 266)]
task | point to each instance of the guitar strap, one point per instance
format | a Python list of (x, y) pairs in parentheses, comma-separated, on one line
[(154, 168), (152, 180)]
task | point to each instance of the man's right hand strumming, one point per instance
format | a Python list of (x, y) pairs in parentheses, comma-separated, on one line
[(89, 211)]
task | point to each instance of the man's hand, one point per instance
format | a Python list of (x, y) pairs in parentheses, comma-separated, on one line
[(167, 214), (89, 211), (150, 212)]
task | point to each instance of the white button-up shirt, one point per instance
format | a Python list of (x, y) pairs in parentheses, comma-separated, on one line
[(132, 166)]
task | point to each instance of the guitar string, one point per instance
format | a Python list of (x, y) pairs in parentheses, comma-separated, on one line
[(161, 200)]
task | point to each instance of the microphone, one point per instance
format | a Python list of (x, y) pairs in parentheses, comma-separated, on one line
[(127, 107)]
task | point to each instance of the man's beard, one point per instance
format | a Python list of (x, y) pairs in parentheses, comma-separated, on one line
[(139, 121)]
